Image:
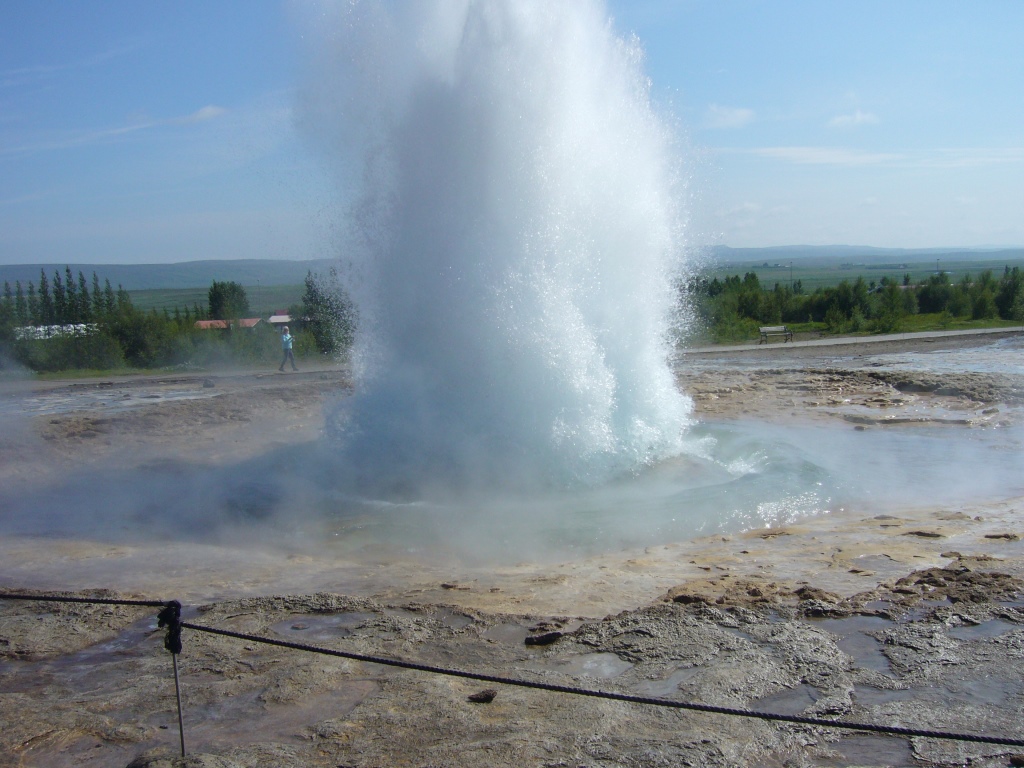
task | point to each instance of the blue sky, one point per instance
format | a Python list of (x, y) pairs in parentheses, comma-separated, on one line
[(157, 132)]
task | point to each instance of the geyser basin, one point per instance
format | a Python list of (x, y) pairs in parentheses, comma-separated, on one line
[(727, 481), (733, 477)]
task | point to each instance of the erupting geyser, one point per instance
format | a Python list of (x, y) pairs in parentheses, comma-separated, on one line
[(514, 247)]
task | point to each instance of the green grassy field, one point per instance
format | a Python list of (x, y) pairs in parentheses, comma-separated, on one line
[(263, 299), (911, 324), (814, 276)]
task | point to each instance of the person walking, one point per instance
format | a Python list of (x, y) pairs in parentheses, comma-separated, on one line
[(286, 345)]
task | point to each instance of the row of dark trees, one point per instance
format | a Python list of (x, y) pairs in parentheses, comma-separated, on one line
[(733, 307), (64, 301), (51, 326)]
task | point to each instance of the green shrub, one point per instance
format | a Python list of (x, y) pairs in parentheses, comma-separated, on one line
[(98, 351)]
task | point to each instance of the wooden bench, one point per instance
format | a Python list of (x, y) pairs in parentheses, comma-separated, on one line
[(775, 330)]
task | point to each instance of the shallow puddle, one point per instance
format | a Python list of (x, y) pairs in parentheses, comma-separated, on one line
[(870, 751), (513, 634), (669, 686), (602, 666), (870, 696), (993, 691), (983, 631), (791, 701), (100, 669), (452, 619), (209, 726), (924, 610), (977, 691), (317, 627), (855, 641)]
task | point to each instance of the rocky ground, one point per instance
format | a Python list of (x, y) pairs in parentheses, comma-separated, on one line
[(808, 382), (210, 418), (914, 618)]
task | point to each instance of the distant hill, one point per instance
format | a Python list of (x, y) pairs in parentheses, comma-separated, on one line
[(250, 272), (859, 254), (187, 274)]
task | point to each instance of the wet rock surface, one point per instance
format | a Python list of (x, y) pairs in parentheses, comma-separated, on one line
[(102, 692), (856, 396)]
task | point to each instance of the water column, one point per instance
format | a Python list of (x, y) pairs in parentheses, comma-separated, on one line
[(514, 233)]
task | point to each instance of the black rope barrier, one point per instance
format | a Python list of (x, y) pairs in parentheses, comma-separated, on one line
[(886, 729), (170, 617)]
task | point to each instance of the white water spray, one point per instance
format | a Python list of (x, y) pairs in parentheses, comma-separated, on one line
[(516, 239)]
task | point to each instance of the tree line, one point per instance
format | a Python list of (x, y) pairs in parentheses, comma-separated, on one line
[(733, 308), (70, 322), (65, 301), (65, 323)]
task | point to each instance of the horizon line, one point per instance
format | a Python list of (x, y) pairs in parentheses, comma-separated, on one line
[(709, 246)]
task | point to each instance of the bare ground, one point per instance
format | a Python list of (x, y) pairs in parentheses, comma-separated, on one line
[(915, 618)]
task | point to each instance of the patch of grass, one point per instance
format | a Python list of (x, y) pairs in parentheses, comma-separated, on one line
[(939, 322), (85, 373), (263, 299)]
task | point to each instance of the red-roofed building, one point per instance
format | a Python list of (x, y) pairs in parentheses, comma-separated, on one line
[(245, 322)]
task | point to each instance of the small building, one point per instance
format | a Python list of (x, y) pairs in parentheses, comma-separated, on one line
[(246, 322), (279, 318), (52, 331)]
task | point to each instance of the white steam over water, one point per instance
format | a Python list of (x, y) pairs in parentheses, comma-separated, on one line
[(513, 246)]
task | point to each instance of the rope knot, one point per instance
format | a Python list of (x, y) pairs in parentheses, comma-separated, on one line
[(170, 617)]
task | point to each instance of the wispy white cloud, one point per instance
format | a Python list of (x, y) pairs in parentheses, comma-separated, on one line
[(10, 78), (33, 197), (853, 120), (962, 157), (746, 208), (209, 112), (826, 156), (718, 116), (973, 157), (201, 115)]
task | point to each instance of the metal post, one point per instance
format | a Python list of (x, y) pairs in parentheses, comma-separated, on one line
[(177, 695), (170, 617)]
